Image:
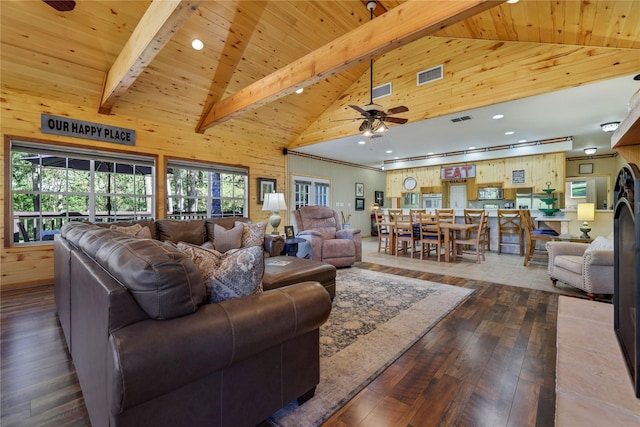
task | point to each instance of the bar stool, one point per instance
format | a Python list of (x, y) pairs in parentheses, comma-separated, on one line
[(510, 224), (473, 216)]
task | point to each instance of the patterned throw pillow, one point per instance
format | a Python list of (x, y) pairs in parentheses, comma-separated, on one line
[(253, 234), (134, 230), (236, 273), (225, 240), (600, 244)]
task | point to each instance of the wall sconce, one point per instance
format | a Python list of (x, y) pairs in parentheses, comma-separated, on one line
[(590, 151), (610, 126), (586, 212), (274, 202)]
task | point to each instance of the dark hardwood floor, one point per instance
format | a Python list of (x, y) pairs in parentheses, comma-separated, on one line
[(490, 362)]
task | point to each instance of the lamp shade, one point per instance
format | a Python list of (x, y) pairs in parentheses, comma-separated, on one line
[(274, 202), (586, 211)]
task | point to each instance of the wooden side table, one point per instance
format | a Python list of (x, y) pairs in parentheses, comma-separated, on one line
[(571, 239)]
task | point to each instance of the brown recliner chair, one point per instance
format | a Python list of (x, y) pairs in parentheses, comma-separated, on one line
[(328, 241)]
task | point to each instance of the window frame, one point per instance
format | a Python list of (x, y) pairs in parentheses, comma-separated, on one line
[(210, 168), (42, 220)]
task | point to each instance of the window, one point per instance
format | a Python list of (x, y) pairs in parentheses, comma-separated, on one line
[(311, 191), (51, 185), (200, 190)]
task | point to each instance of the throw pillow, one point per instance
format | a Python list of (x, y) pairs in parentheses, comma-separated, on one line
[(225, 240), (600, 244), (134, 230), (252, 234), (238, 272)]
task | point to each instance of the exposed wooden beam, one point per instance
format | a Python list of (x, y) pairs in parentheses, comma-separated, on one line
[(399, 26), (159, 23)]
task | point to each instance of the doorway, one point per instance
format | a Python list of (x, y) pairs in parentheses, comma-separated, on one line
[(458, 196)]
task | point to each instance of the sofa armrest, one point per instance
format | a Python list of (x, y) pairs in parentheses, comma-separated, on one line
[(273, 244), (215, 337), (557, 248), (598, 258)]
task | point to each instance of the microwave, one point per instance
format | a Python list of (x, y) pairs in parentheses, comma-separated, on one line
[(490, 193)]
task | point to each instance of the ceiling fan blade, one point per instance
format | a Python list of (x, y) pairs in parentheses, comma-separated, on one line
[(396, 110), (360, 110), (397, 120), (61, 5), (344, 120)]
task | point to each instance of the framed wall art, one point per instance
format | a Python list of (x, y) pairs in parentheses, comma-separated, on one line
[(359, 204), (585, 168), (359, 189), (379, 197), (265, 185)]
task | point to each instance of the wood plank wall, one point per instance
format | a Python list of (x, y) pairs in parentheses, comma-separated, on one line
[(20, 117)]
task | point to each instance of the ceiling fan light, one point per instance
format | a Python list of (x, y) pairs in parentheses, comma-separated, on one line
[(367, 133), (590, 151), (381, 128), (610, 126)]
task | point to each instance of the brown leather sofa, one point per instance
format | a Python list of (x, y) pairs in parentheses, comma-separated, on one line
[(148, 351)]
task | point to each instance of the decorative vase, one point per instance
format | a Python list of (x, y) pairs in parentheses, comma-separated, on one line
[(548, 200)]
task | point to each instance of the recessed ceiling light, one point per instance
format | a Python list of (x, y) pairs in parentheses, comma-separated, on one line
[(512, 1), (497, 116), (396, 158), (471, 148), (197, 44), (522, 140), (430, 153), (362, 142), (389, 151), (509, 132), (299, 90)]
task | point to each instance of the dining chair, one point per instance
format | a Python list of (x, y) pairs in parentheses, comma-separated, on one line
[(509, 225), (392, 214), (444, 216), (429, 234), (472, 216), (478, 242), (534, 235), (414, 213), (383, 231), (403, 229)]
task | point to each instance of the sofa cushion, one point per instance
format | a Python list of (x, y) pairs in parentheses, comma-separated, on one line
[(193, 231), (136, 230), (228, 275), (227, 239), (162, 279), (252, 234), (600, 244), (571, 263)]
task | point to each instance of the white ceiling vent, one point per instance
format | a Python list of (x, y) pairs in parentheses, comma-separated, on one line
[(430, 75), (461, 119), (381, 91)]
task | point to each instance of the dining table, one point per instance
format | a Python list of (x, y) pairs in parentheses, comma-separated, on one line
[(450, 232)]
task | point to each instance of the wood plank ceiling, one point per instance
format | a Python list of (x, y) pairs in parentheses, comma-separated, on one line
[(506, 52)]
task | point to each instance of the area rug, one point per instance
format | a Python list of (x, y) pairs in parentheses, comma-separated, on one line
[(375, 318)]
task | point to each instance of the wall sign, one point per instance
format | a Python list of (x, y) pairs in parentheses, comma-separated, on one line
[(56, 125), (518, 176), (458, 172)]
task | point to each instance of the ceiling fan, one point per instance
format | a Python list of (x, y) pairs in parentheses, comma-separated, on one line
[(374, 115), (61, 5)]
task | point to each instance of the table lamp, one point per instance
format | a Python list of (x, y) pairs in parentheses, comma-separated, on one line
[(274, 202), (586, 212)]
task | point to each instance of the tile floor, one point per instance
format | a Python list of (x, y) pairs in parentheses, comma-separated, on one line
[(593, 386), (506, 269)]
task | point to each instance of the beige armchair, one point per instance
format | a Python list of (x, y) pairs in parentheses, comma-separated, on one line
[(588, 267), (328, 241)]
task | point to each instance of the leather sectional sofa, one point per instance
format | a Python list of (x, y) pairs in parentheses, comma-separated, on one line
[(147, 349)]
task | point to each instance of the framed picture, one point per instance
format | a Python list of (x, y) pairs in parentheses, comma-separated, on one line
[(265, 185), (359, 189), (578, 189), (359, 204), (379, 197), (288, 232), (586, 168)]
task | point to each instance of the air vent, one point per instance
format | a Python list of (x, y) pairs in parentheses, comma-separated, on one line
[(461, 119), (430, 75), (381, 91)]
